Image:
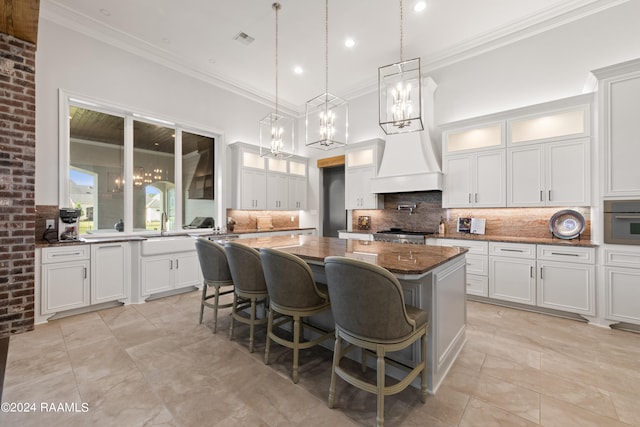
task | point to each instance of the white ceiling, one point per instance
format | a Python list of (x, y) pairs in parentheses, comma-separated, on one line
[(196, 36)]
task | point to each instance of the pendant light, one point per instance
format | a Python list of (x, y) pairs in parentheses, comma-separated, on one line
[(400, 93), (326, 117), (276, 130)]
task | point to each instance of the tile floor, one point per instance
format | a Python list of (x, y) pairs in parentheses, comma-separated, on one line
[(153, 364)]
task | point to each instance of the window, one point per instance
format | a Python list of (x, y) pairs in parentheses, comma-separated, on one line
[(122, 166)]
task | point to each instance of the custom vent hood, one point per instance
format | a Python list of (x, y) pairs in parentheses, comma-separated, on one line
[(201, 186), (410, 162)]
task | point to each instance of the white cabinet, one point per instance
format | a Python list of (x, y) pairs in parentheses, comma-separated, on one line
[(354, 235), (110, 272), (549, 174), (619, 101), (477, 263), (622, 285), (361, 164), (168, 264), (65, 278), (277, 191), (253, 189), (512, 274), (475, 180), (297, 192), (566, 278)]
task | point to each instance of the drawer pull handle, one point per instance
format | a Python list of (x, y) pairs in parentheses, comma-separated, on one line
[(511, 250), (564, 254), (463, 247), (73, 254)]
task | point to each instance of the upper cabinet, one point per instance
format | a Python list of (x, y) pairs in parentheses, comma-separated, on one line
[(266, 183), (361, 164), (533, 156), (619, 103)]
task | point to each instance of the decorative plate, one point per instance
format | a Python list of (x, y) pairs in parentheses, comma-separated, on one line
[(567, 224)]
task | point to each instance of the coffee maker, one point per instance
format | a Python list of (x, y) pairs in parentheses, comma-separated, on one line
[(68, 227)]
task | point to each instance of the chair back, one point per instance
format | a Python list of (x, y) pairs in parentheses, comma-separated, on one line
[(366, 300), (246, 267), (290, 280), (213, 262)]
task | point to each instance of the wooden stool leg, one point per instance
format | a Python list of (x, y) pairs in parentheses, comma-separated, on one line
[(233, 313), (380, 389), (269, 329), (204, 294), (296, 345), (252, 324), (216, 300), (336, 360)]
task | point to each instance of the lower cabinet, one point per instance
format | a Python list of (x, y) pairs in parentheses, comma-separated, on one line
[(161, 273), (512, 279), (566, 286), (110, 272), (622, 285), (65, 279), (477, 263)]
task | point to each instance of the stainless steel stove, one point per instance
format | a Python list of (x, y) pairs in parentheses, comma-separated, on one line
[(394, 235)]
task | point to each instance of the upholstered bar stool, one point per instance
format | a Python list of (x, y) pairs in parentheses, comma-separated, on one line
[(370, 313), (250, 289), (216, 274), (293, 295)]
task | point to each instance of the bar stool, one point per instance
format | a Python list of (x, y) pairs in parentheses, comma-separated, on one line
[(369, 310), (216, 274), (293, 296), (250, 289)]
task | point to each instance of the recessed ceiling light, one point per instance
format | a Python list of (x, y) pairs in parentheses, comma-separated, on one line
[(349, 42), (298, 69), (419, 6), (105, 12)]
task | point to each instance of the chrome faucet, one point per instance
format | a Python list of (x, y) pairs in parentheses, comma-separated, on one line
[(163, 223)]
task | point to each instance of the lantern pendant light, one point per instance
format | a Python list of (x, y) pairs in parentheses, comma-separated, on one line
[(326, 116), (276, 130), (400, 93)]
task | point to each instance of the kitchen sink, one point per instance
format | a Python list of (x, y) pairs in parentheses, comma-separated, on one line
[(167, 244)]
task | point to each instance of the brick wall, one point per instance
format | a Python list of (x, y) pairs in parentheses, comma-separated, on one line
[(17, 184)]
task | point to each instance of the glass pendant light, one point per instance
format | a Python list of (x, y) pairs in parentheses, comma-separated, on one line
[(400, 93), (326, 116), (276, 129)]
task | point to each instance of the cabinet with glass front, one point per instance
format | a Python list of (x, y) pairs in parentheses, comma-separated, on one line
[(118, 167)]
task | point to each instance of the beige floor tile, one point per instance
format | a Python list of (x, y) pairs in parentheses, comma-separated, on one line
[(627, 408), (479, 413), (555, 413), (88, 331), (119, 316), (52, 361)]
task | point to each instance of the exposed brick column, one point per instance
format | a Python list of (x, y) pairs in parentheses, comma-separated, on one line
[(17, 185)]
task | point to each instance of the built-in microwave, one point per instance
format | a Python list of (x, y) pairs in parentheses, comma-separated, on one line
[(622, 222)]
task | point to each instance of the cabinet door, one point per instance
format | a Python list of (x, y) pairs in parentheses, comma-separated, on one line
[(477, 285), (110, 272), (357, 189), (187, 270), (277, 191), (253, 189), (65, 286), (568, 174), (525, 176), (566, 286), (457, 178), (490, 176), (512, 279), (622, 294), (298, 192), (156, 274)]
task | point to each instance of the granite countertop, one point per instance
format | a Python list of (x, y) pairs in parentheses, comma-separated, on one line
[(395, 257), (256, 230)]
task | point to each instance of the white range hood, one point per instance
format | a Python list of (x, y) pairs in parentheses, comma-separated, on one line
[(410, 162)]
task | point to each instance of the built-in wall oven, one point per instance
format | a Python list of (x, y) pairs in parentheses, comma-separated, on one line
[(622, 222)]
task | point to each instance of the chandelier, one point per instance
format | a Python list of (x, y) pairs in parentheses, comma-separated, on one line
[(400, 93), (276, 130), (326, 116)]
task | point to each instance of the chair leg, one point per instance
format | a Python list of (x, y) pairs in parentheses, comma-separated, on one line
[(380, 389), (423, 385), (216, 300), (204, 294), (233, 313), (363, 360), (296, 345), (269, 329), (336, 360), (252, 324)]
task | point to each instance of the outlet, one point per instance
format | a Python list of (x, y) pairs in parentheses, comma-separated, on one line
[(293, 218), (50, 223)]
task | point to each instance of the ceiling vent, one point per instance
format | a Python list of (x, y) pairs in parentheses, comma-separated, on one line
[(244, 38)]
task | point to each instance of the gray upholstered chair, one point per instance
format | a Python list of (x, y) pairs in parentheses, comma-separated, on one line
[(216, 274), (370, 313), (250, 289), (293, 296)]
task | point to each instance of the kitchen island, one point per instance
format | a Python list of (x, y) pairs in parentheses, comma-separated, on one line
[(433, 278)]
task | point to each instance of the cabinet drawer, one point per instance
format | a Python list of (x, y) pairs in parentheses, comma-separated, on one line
[(474, 247), (67, 253), (478, 264), (477, 285), (622, 258), (566, 254), (512, 250)]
